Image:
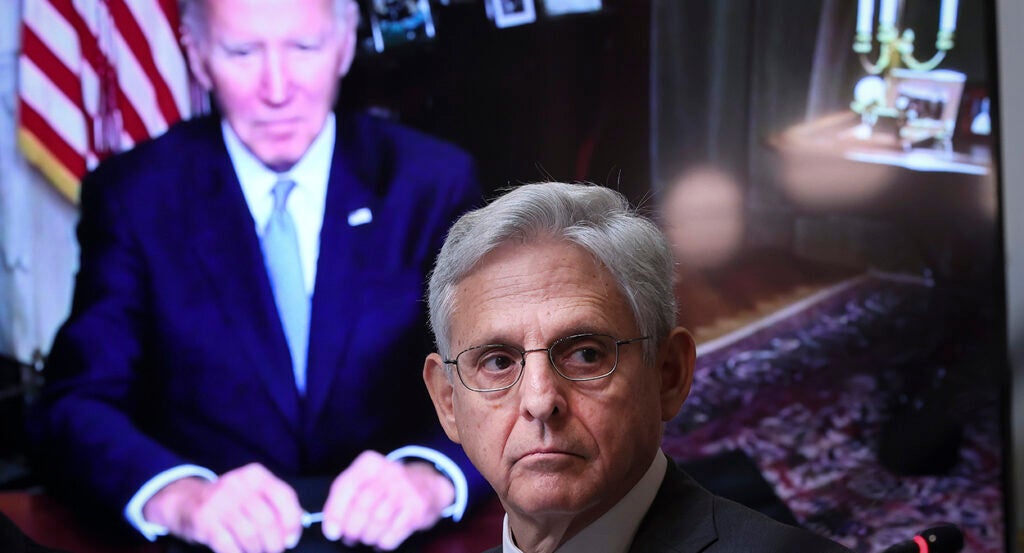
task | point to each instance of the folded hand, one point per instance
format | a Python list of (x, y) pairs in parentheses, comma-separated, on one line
[(247, 510), (380, 503)]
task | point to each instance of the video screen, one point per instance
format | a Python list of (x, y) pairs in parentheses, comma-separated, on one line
[(827, 175)]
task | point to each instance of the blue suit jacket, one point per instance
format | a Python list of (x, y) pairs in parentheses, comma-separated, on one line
[(173, 352)]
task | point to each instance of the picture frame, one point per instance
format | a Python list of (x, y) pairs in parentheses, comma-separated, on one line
[(510, 13), (555, 8), (397, 22)]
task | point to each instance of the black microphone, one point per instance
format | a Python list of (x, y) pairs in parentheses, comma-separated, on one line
[(945, 538)]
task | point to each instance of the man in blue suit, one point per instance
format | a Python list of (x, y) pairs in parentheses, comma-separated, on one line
[(248, 305)]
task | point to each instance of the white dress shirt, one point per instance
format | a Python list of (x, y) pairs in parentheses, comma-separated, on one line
[(306, 204), (613, 532)]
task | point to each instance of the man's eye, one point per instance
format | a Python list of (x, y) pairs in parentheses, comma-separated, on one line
[(586, 355), (496, 361), (239, 51), (308, 46)]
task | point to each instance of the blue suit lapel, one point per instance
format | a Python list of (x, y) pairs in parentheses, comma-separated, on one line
[(224, 239), (337, 292)]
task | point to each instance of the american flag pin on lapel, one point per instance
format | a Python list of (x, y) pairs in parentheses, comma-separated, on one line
[(360, 216)]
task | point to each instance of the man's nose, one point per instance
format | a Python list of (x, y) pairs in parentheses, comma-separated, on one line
[(276, 78), (542, 391)]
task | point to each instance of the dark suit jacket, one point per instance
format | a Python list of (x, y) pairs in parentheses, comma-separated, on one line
[(173, 352), (686, 518)]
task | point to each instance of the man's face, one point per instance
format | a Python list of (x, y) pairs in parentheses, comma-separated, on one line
[(548, 446), (274, 67)]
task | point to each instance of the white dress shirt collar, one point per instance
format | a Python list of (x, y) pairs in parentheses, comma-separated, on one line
[(306, 201), (613, 532)]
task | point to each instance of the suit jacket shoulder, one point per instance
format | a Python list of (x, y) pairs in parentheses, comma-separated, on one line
[(686, 518), (394, 159), (149, 163)]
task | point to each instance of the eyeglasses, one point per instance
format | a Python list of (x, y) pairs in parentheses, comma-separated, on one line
[(580, 357)]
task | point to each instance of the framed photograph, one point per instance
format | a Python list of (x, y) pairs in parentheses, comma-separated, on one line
[(509, 13), (396, 22), (554, 8)]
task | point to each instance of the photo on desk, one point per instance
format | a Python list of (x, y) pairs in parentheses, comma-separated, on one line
[(828, 179)]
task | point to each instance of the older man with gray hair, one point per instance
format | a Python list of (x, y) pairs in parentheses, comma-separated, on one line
[(559, 361)]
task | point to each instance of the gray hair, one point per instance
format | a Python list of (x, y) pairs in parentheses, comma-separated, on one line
[(595, 218), (194, 21)]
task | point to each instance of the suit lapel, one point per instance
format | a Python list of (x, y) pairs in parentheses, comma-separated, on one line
[(225, 241), (336, 292), (680, 520)]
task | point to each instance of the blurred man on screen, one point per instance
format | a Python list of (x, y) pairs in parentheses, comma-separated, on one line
[(247, 299)]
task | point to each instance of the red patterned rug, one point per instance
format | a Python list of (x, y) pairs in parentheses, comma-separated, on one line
[(808, 393)]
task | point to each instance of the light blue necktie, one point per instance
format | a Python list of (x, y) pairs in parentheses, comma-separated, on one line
[(281, 253)]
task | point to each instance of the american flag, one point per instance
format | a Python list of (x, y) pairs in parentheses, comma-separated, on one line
[(96, 77)]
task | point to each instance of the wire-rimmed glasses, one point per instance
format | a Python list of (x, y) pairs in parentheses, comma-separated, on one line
[(579, 358)]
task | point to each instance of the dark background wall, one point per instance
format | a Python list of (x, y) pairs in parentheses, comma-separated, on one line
[(563, 98)]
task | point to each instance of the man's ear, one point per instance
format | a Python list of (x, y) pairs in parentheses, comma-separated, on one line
[(441, 390), (196, 59), (676, 360), (348, 38)]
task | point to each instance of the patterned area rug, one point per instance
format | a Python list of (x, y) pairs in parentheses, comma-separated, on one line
[(807, 394)]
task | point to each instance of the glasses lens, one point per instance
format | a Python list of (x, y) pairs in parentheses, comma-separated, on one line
[(584, 356), (489, 367)]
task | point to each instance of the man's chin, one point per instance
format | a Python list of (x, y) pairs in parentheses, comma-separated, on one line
[(554, 495), (278, 162), (279, 154)]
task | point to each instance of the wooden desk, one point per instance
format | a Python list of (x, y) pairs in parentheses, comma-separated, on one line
[(836, 136), (939, 208), (52, 524), (823, 167)]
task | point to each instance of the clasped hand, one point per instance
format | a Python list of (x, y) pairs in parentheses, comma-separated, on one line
[(375, 501)]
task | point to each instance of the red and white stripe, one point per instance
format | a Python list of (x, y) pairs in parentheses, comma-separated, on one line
[(95, 78)]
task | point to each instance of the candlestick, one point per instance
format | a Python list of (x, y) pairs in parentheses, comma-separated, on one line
[(895, 63), (887, 14), (865, 16), (896, 46), (947, 18)]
